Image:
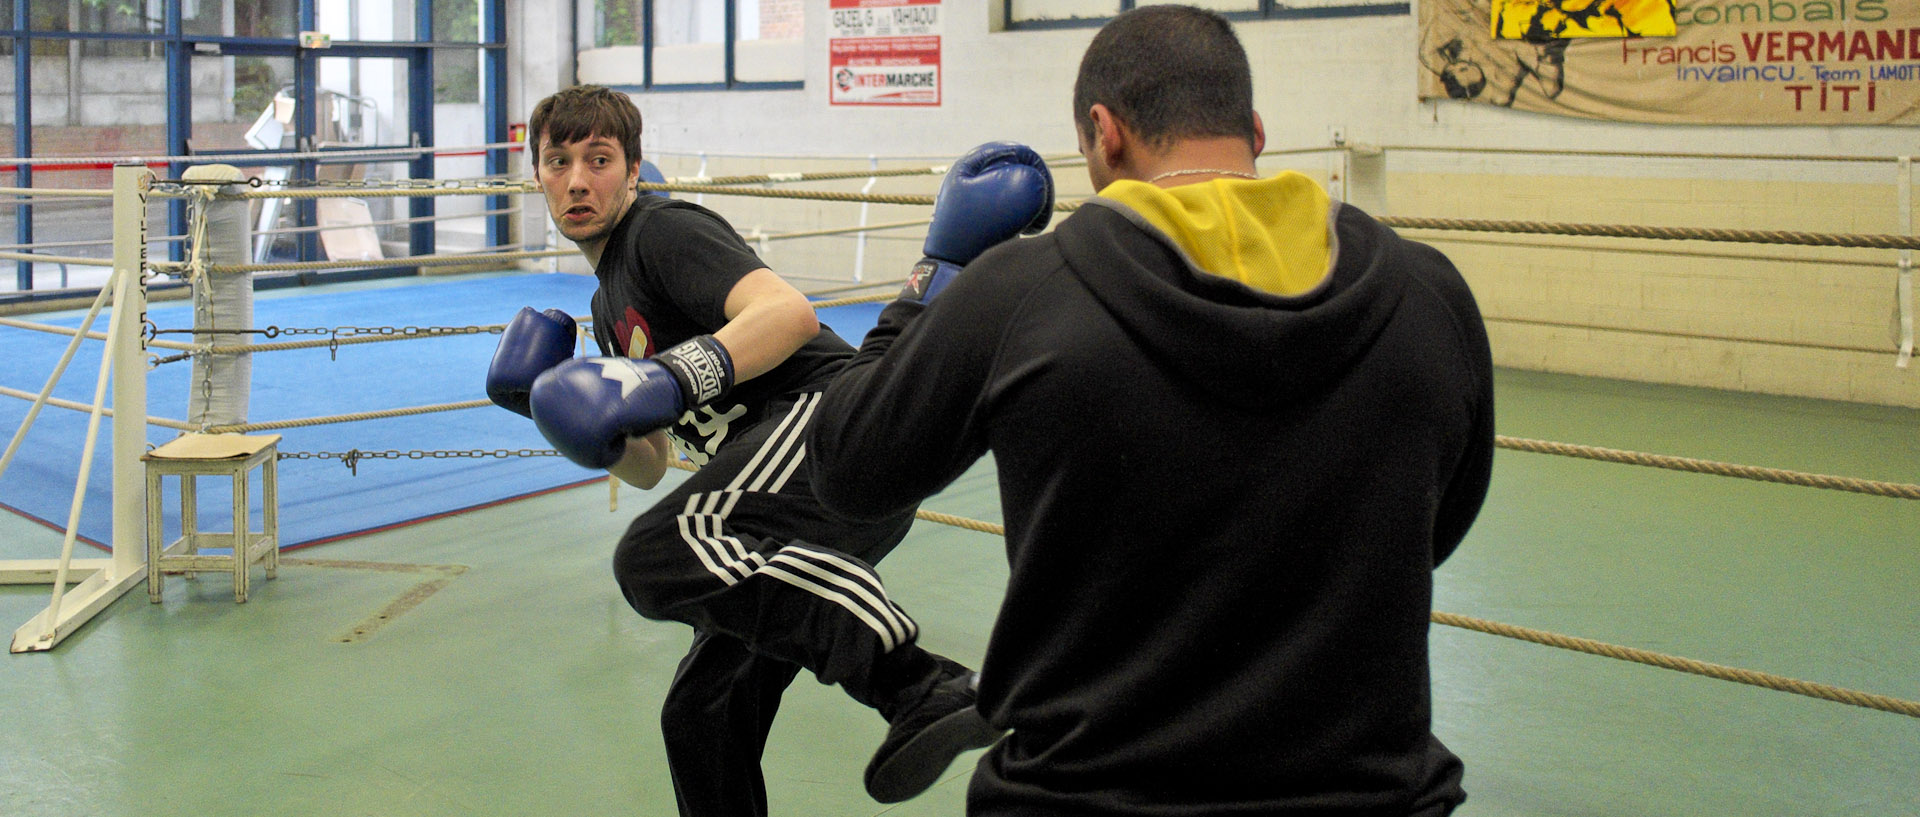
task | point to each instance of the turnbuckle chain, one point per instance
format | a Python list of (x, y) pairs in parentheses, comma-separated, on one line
[(352, 457), (334, 333), (395, 184)]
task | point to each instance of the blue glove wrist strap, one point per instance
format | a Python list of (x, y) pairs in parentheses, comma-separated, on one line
[(927, 279), (703, 368)]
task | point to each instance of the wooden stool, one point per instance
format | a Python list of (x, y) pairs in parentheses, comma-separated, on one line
[(194, 455)]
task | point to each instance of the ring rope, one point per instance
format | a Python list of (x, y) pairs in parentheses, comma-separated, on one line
[(72, 260), (863, 228), (857, 285), (344, 418), (923, 200), (1665, 333), (1765, 680), (1860, 486), (1682, 253), (389, 222), (54, 192), (1857, 240), (961, 522), (70, 332), (368, 337), (856, 299), (202, 158), (1627, 154), (95, 243), (1826, 692), (499, 188), (819, 176), (105, 411), (1864, 240), (406, 261)]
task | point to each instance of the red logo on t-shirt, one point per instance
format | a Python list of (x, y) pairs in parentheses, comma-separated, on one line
[(630, 328)]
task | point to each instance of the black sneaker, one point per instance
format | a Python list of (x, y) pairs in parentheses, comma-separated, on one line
[(923, 740)]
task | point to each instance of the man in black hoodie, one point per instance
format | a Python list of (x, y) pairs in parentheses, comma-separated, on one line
[(1237, 424)]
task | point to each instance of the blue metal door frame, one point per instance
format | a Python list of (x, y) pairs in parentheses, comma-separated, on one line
[(180, 48)]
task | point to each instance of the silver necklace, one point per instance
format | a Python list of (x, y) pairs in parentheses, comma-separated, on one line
[(1203, 170)]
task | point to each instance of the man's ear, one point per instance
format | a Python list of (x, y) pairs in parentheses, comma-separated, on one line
[(1259, 135), (1110, 137)]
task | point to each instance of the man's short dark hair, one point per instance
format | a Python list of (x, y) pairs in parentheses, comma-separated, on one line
[(1169, 72), (582, 112)]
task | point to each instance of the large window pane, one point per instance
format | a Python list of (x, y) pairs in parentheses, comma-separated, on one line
[(83, 15), (115, 107), (348, 228), (117, 18), (278, 19), (463, 225), (456, 21), (241, 104), (770, 41), (688, 37), (365, 20), (362, 101), (70, 227), (616, 22), (456, 77)]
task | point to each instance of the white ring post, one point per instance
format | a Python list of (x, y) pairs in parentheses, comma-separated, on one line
[(130, 186), (125, 355)]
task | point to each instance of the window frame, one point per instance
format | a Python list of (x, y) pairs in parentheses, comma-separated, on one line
[(178, 50), (647, 85)]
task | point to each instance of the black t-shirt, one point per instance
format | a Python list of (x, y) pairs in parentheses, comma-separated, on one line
[(664, 277)]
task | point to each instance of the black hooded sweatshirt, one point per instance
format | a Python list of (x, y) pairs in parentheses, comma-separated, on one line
[(1223, 506)]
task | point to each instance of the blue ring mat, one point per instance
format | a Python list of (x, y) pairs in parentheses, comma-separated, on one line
[(321, 500)]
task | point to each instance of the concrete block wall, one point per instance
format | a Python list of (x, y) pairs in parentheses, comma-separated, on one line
[(125, 91), (1817, 322)]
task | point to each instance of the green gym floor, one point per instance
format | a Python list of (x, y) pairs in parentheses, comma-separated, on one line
[(525, 686)]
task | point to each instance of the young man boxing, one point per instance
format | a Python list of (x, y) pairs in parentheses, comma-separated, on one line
[(708, 352)]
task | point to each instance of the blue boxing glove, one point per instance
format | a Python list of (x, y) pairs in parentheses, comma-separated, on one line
[(532, 343), (589, 407), (650, 173), (997, 191)]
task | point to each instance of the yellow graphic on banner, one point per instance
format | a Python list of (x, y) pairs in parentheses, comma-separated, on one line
[(1540, 20)]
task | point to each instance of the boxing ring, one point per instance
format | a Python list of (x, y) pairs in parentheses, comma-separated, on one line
[(135, 351)]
